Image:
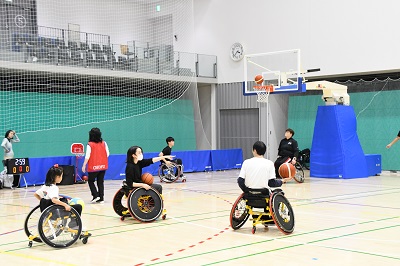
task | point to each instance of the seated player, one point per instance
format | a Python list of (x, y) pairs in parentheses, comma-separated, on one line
[(288, 150), (258, 172), (48, 194), (167, 151), (134, 165)]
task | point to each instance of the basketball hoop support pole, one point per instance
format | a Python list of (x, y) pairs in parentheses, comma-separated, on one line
[(78, 150), (77, 176)]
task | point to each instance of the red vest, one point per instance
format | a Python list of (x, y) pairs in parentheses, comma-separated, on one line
[(98, 160)]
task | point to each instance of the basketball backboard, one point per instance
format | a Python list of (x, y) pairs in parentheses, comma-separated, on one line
[(282, 69)]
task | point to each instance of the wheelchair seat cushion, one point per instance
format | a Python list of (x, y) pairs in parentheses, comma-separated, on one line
[(257, 197)]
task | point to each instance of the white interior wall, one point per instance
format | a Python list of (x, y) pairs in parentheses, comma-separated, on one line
[(122, 20), (339, 36)]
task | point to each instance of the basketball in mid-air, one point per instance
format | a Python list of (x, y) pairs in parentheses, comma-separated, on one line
[(287, 170), (259, 79), (147, 178)]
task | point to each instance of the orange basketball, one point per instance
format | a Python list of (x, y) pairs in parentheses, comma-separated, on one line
[(259, 79), (147, 178), (287, 170), (85, 177)]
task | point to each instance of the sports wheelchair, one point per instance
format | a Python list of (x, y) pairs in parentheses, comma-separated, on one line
[(304, 158), (276, 210), (170, 173), (54, 226), (139, 203), (299, 176)]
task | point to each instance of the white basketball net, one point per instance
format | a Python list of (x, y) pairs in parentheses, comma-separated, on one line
[(263, 93), (262, 96)]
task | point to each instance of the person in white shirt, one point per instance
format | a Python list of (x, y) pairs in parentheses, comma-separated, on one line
[(9, 138), (48, 194), (258, 172)]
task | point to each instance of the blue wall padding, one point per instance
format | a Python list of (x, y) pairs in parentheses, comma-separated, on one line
[(193, 161), (336, 150)]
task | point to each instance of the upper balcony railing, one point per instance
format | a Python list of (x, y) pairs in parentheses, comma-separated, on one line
[(90, 50)]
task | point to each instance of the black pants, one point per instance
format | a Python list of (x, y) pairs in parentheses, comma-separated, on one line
[(278, 163), (16, 180), (157, 187), (179, 162), (99, 191), (44, 203), (16, 177)]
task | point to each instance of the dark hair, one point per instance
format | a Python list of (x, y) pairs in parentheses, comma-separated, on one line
[(169, 139), (291, 131), (7, 132), (132, 150), (95, 135), (260, 147), (54, 171)]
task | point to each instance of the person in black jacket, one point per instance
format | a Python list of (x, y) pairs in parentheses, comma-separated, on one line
[(288, 150), (134, 165)]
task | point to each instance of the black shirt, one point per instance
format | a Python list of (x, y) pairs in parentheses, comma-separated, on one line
[(288, 148), (133, 172), (167, 151)]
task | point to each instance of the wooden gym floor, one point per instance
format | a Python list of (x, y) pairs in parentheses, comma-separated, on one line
[(338, 222)]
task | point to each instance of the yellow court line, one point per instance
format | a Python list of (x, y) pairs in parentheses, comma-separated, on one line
[(15, 254)]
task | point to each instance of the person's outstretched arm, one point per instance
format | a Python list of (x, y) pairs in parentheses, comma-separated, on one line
[(393, 141)]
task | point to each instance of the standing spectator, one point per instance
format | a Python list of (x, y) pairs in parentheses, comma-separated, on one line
[(97, 161), (9, 138)]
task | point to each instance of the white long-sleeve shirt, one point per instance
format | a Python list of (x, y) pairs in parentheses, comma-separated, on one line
[(7, 147)]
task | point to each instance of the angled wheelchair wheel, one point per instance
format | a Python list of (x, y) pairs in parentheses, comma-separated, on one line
[(145, 205), (59, 228), (239, 213), (299, 176), (282, 213), (168, 174), (31, 225), (120, 202)]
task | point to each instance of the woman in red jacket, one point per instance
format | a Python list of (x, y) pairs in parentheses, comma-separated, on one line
[(96, 160)]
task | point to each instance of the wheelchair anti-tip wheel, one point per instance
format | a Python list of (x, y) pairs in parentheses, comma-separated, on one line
[(299, 176), (282, 212), (239, 213), (145, 205), (59, 228), (120, 202), (169, 174), (31, 225)]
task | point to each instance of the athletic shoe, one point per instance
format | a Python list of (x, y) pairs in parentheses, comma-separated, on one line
[(95, 199), (100, 200)]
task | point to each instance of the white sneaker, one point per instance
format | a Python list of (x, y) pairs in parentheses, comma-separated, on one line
[(95, 199), (100, 200)]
